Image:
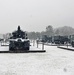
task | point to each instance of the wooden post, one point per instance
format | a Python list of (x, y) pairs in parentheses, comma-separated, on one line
[(37, 43), (67, 44), (33, 42), (42, 45), (1, 42)]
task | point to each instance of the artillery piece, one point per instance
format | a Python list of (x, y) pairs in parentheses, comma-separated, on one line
[(19, 41)]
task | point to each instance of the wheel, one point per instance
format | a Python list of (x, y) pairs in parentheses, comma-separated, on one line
[(10, 48), (27, 48)]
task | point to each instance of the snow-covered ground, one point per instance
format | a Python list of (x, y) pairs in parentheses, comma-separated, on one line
[(54, 61), (70, 47)]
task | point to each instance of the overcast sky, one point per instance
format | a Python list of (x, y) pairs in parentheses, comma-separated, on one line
[(35, 15)]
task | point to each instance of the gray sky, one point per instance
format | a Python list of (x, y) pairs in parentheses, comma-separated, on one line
[(35, 15)]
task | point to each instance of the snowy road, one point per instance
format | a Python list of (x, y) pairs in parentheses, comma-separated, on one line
[(54, 61)]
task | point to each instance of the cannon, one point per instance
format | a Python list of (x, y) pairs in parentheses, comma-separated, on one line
[(19, 41)]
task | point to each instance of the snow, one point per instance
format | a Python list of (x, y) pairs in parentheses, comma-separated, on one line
[(54, 61), (70, 47)]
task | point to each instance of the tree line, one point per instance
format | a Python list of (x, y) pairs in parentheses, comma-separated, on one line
[(50, 31)]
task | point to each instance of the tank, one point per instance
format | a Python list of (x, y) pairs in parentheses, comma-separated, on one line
[(19, 41)]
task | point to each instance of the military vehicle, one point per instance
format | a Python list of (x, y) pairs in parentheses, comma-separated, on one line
[(61, 39), (19, 41), (72, 40), (55, 39), (46, 38)]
